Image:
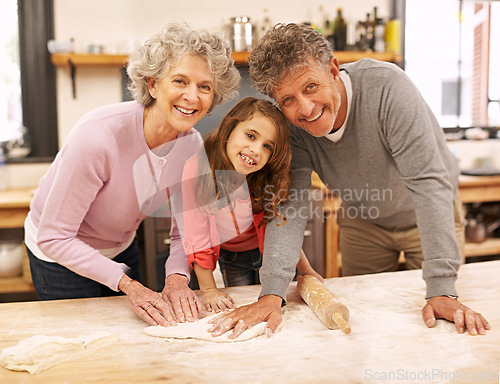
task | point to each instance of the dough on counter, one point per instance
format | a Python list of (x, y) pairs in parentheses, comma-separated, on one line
[(40, 352), (199, 330)]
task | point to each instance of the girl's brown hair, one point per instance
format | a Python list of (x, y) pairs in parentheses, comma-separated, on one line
[(269, 186)]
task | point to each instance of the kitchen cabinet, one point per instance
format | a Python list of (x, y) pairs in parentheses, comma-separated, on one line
[(314, 234), (320, 237), (156, 235), (472, 189), (14, 206), (480, 189)]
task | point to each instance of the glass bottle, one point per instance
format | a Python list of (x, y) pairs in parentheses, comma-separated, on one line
[(379, 36), (340, 31)]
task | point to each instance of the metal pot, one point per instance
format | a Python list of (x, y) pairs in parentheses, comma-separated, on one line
[(477, 231), (241, 34)]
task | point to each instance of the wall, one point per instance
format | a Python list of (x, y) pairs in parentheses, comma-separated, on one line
[(121, 24), (476, 153)]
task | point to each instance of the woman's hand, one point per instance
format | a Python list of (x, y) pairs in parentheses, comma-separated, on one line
[(147, 304), (215, 300), (186, 305)]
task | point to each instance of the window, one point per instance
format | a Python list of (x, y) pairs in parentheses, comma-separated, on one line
[(28, 62), (450, 56), (494, 66), (11, 118)]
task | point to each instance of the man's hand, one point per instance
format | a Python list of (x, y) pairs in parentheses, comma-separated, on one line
[(267, 308), (185, 303), (443, 307)]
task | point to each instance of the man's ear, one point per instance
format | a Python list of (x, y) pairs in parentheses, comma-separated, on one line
[(152, 87), (334, 67)]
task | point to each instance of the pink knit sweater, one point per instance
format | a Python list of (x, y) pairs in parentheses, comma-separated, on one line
[(100, 187)]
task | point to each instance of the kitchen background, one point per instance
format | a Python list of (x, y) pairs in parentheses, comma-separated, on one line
[(119, 25), (439, 44), (449, 48)]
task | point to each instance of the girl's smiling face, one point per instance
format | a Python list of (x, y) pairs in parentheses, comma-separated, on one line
[(251, 144)]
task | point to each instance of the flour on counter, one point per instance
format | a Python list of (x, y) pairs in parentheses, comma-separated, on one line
[(199, 330), (40, 352)]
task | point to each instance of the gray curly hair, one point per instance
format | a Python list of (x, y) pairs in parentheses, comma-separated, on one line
[(164, 50), (283, 49)]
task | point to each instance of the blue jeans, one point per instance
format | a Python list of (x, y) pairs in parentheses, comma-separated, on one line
[(240, 268), (52, 281)]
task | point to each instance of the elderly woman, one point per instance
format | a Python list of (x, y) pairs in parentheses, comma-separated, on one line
[(122, 163)]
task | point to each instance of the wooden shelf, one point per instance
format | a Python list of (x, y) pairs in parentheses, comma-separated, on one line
[(15, 285), (240, 58), (16, 198), (66, 59), (14, 206), (349, 57), (73, 60), (486, 248), (477, 189)]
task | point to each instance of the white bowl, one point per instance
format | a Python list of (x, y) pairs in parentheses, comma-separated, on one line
[(11, 259)]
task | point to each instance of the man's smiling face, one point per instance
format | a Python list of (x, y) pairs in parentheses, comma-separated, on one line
[(309, 98)]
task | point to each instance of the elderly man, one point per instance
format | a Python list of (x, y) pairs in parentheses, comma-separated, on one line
[(367, 132)]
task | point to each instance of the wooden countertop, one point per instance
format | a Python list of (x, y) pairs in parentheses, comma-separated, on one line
[(472, 188), (478, 181), (16, 198), (388, 338), (477, 189), (464, 181), (14, 206)]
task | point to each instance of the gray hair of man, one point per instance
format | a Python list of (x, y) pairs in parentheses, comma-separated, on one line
[(160, 53), (283, 49)]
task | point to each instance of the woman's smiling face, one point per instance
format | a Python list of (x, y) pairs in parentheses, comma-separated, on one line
[(184, 95)]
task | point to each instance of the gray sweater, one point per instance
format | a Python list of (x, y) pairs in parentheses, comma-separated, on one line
[(391, 167)]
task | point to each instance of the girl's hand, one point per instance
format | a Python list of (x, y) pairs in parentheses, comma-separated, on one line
[(215, 300), (305, 268), (312, 272)]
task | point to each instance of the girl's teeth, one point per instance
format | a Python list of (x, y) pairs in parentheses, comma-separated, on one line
[(246, 159)]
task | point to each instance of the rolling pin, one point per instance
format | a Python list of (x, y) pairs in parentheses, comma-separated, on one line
[(323, 302)]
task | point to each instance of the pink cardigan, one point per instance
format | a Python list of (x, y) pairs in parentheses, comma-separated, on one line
[(96, 192), (201, 237)]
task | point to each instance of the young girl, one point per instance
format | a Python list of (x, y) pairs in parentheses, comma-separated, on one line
[(231, 190)]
